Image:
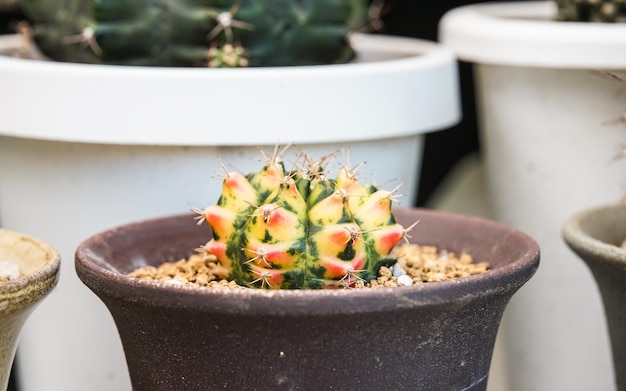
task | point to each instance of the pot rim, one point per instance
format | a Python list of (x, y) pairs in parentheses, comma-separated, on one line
[(580, 240), (526, 34), (493, 282), (46, 275), (141, 105)]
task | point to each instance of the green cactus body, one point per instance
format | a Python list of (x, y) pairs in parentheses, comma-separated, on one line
[(605, 11), (299, 229), (183, 32)]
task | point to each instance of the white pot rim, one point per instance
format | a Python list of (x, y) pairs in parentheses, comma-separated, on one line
[(526, 34), (192, 106)]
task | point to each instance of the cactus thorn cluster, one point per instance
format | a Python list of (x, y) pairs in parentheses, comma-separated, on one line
[(300, 228)]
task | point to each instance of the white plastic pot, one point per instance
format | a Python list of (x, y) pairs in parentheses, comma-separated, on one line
[(86, 147), (547, 152)]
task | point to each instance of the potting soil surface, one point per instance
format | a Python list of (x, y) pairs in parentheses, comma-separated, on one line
[(416, 265)]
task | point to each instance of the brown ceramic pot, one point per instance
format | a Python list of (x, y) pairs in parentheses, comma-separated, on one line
[(436, 336), (596, 235), (39, 264)]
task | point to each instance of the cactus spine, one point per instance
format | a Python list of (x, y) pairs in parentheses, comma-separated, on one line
[(194, 32), (299, 229)]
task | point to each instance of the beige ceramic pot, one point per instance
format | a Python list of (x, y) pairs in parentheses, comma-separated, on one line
[(596, 235), (38, 264)]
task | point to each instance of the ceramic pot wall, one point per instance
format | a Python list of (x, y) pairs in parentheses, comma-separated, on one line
[(430, 337), (596, 236)]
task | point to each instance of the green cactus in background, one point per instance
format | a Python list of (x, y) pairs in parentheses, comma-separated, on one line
[(9, 15), (195, 32), (8, 5), (300, 229), (605, 11)]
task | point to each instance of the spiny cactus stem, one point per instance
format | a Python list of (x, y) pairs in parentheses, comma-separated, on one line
[(228, 55), (405, 232), (203, 251), (216, 248), (226, 22), (346, 194), (288, 180), (284, 180), (260, 255), (200, 215), (375, 15), (343, 193), (393, 194), (355, 234), (279, 228), (351, 172), (226, 173), (350, 278), (265, 211), (87, 37), (275, 157), (264, 279), (317, 169)]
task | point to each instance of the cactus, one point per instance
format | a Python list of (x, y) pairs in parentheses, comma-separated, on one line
[(299, 228), (606, 11), (193, 32)]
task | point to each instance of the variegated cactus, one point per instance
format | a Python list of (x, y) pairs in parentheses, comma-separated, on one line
[(300, 229)]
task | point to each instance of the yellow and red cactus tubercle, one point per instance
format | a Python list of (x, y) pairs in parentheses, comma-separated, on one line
[(298, 229)]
